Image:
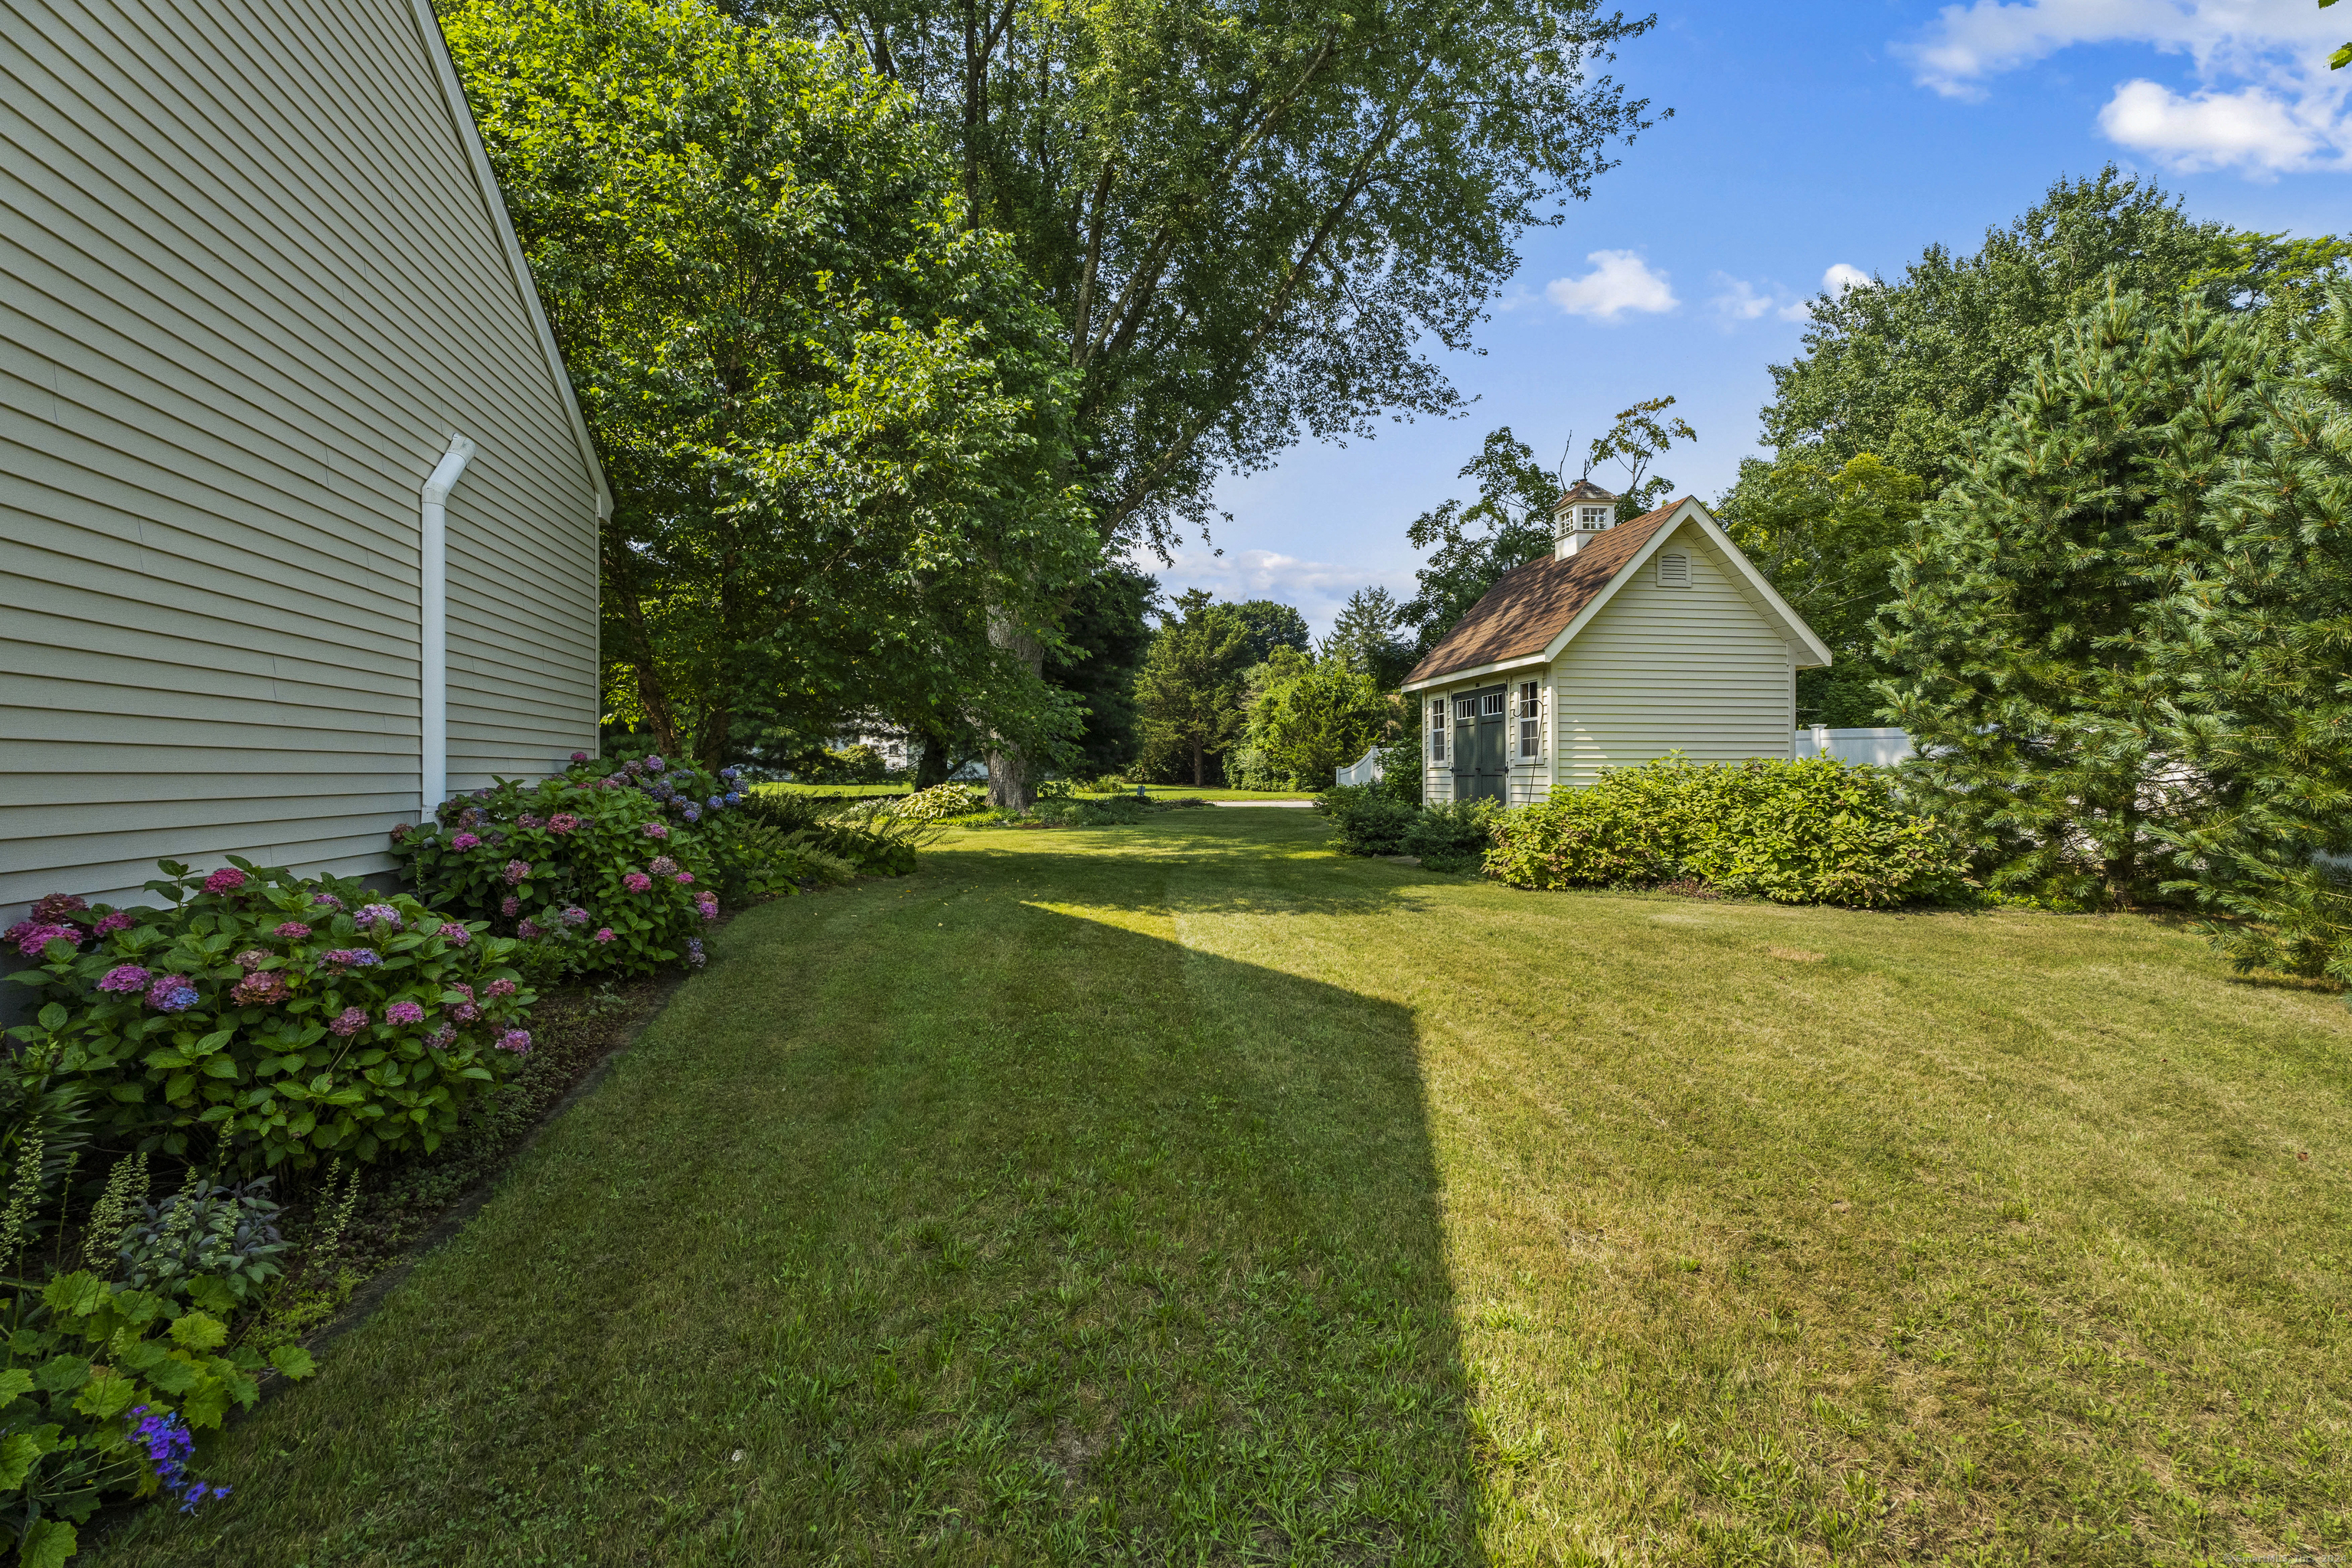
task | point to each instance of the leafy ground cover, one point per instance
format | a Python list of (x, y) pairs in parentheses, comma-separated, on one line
[(1193, 1194)]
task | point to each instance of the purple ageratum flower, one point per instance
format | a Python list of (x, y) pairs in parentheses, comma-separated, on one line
[(327, 900), (373, 915), (227, 879), (454, 934), (293, 930), (348, 1022), (510, 906), (465, 841), (574, 915), (529, 931), (173, 993), (124, 978), (404, 1012), (654, 763), (31, 936), (562, 822), (637, 881), (515, 1040), (657, 830), (517, 871), (499, 988), (603, 933), (108, 924)]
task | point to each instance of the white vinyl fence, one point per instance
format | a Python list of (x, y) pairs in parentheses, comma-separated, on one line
[(1878, 748), (1364, 770)]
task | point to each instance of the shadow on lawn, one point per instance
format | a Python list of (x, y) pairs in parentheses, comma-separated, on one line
[(1062, 1244)]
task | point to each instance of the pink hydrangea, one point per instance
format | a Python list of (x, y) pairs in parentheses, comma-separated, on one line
[(293, 930), (657, 830), (499, 988), (109, 924), (404, 1012), (227, 879), (510, 906), (517, 871), (56, 907), (464, 841), (31, 936), (527, 820), (328, 900), (562, 822), (574, 915), (454, 934), (683, 879), (515, 1040), (604, 933), (637, 881), (663, 865), (528, 931), (252, 958), (707, 905), (578, 756), (259, 988), (124, 978), (348, 1022)]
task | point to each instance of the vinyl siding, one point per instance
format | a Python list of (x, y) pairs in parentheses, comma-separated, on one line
[(248, 289), (1697, 669)]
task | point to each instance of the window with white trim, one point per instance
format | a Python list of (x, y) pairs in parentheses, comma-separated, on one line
[(1437, 730), (1674, 569), (1591, 519), (1530, 718), (1465, 710), (1490, 705)]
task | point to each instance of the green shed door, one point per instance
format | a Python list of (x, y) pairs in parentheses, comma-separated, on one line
[(1481, 749)]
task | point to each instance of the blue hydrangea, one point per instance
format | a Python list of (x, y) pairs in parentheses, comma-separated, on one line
[(716, 802), (694, 814)]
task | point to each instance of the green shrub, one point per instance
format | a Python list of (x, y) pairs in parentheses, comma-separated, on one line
[(1369, 822), (943, 801), (602, 874), (1809, 831), (868, 834), (258, 1018), (206, 1236), (1401, 767), (1453, 836)]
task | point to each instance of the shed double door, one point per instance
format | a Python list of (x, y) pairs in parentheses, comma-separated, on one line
[(1482, 760)]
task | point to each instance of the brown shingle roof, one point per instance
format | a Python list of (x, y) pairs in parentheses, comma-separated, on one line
[(1583, 489), (1533, 604)]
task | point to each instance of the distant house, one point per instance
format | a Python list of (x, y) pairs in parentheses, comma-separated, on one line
[(1629, 641), (298, 515)]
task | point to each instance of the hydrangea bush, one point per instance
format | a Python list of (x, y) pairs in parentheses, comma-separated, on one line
[(596, 872), (258, 1018)]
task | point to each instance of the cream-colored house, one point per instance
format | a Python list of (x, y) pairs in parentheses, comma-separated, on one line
[(1629, 641), (298, 515)]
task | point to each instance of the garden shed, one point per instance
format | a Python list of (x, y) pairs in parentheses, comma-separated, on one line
[(1630, 640), (298, 516)]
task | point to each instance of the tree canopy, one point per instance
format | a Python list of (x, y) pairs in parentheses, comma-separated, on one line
[(1368, 638), (1188, 693), (1470, 546)]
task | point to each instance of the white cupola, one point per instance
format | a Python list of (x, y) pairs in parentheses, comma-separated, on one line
[(1583, 513)]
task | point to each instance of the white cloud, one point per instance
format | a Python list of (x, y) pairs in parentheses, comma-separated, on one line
[(1843, 275), (1737, 300), (1319, 588), (2263, 103), (1620, 281)]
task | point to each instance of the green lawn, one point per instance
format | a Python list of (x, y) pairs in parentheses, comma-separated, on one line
[(1185, 1195)]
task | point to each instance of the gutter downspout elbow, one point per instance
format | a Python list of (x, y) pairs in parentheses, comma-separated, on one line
[(433, 635)]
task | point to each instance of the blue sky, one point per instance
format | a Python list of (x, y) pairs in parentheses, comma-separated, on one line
[(1807, 137)]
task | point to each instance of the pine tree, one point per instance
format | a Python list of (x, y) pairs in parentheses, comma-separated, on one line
[(1189, 693), (2025, 597), (2258, 645), (1367, 637)]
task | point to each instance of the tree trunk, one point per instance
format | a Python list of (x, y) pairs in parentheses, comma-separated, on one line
[(931, 767), (1010, 785), (1200, 779)]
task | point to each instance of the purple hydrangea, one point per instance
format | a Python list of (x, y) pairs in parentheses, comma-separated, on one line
[(633, 766), (683, 879), (730, 773), (108, 924), (466, 1012), (574, 915), (252, 958), (470, 817), (603, 933), (464, 841), (694, 814), (734, 797), (578, 756), (499, 988), (510, 906), (663, 865), (637, 881), (454, 934), (351, 957), (444, 1036), (657, 830), (515, 1040), (348, 1022), (663, 790), (404, 1012), (528, 931), (227, 879), (370, 916), (562, 822), (173, 993), (293, 930), (124, 978), (31, 936), (327, 900), (58, 906), (654, 764), (717, 803), (260, 988), (529, 821), (707, 905), (517, 871), (694, 953)]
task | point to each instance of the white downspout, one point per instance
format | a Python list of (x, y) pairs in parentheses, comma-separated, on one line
[(433, 637)]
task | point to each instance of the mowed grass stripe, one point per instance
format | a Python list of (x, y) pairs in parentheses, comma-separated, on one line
[(1188, 1193)]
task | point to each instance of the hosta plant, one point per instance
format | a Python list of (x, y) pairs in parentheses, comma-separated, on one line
[(257, 1018)]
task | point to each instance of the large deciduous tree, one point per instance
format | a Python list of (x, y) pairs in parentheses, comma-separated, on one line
[(1251, 220), (833, 412), (1471, 546)]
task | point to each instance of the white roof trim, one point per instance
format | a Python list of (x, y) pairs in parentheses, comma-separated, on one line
[(453, 93), (1454, 676), (1793, 625)]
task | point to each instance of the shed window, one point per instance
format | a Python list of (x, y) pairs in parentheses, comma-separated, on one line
[(1465, 708), (1490, 705), (1530, 718), (1674, 569), (1437, 730), (1591, 519)]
